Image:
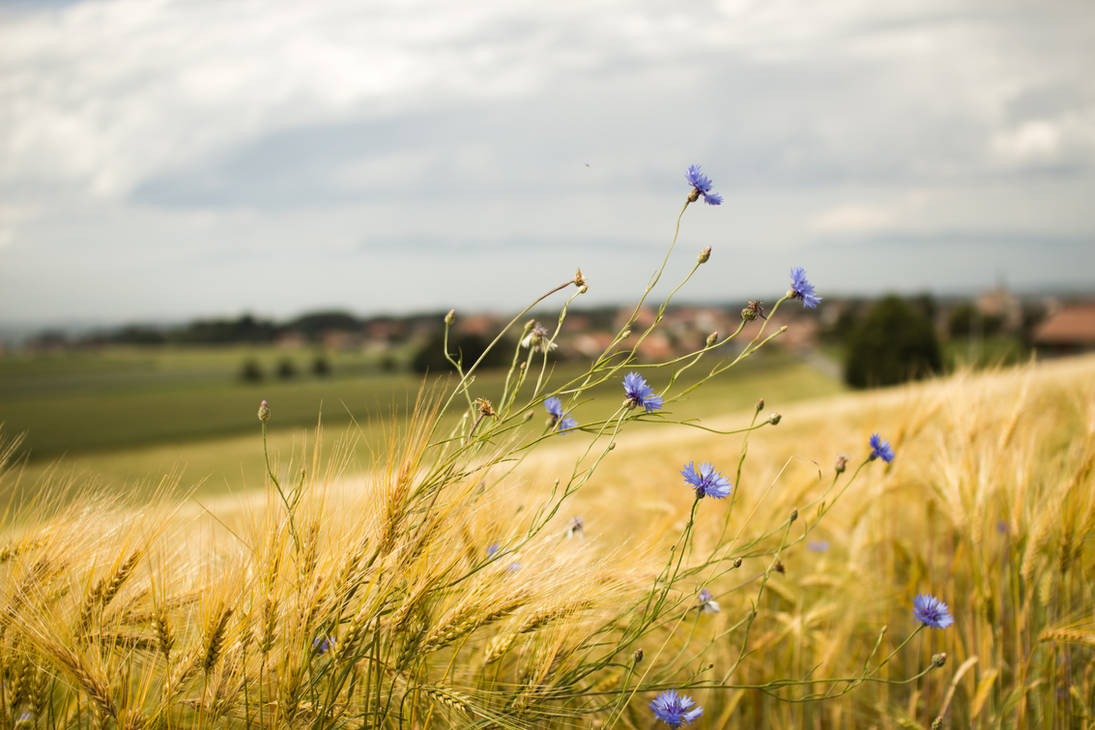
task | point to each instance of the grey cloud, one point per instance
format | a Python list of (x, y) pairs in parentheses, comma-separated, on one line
[(470, 151)]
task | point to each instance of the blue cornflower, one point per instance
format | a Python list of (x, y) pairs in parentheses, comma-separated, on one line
[(881, 449), (931, 611), (802, 289), (706, 481), (641, 394), (672, 708), (560, 420), (707, 602), (322, 644), (818, 546), (554, 407), (566, 423), (492, 549), (701, 185)]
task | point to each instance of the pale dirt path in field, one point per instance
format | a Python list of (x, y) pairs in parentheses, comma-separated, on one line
[(554, 459)]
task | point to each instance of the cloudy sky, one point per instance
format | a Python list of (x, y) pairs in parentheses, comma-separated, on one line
[(160, 160)]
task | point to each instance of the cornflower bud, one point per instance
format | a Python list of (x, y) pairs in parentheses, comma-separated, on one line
[(704, 255), (939, 659), (737, 562), (450, 317), (264, 411), (779, 567), (583, 289), (794, 514), (774, 419), (579, 280), (712, 338), (760, 405), (841, 464), (638, 655)]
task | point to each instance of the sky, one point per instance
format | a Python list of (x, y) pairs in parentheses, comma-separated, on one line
[(165, 160)]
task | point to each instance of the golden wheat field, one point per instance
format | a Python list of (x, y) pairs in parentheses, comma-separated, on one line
[(453, 587)]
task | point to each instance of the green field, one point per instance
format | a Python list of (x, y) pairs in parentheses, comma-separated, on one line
[(125, 416)]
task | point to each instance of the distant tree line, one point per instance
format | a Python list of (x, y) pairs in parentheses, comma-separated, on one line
[(895, 339), (248, 329)]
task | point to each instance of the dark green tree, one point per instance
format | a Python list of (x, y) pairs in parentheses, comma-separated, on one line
[(465, 348), (251, 371), (321, 368), (895, 342), (287, 369)]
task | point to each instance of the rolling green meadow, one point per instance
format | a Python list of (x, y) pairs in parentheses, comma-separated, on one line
[(125, 417)]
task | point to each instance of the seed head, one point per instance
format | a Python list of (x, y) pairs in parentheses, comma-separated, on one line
[(753, 310), (450, 317), (264, 411), (704, 256)]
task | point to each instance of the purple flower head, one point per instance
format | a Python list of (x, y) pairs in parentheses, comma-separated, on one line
[(802, 289), (707, 602), (560, 420), (818, 546), (321, 645), (537, 337), (881, 449), (673, 708), (577, 527), (554, 407), (706, 481), (492, 549), (641, 394), (931, 611), (701, 185)]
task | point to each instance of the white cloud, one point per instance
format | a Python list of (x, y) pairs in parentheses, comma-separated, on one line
[(1069, 139), (287, 126)]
